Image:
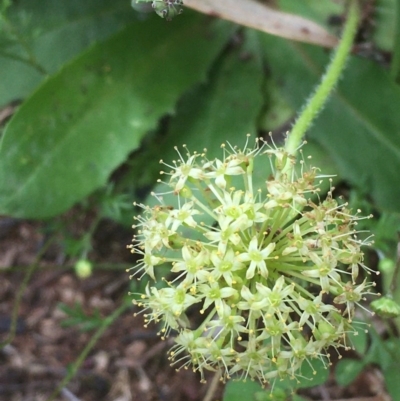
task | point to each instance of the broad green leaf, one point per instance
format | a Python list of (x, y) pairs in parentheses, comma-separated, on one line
[(380, 352), (82, 123), (391, 375), (277, 111), (47, 33), (384, 16), (224, 109), (359, 341), (239, 391), (389, 363), (252, 391), (359, 128), (347, 371), (385, 233)]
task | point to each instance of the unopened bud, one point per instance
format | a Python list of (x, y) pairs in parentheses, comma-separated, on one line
[(386, 307), (83, 268)]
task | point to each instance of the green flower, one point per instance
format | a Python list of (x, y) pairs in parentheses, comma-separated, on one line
[(252, 269), (224, 266), (256, 256)]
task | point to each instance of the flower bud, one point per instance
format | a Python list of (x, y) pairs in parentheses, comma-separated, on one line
[(83, 268), (386, 307)]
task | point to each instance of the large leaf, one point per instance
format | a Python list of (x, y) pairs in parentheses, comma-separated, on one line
[(224, 109), (385, 13), (47, 33), (238, 391), (67, 138), (359, 127)]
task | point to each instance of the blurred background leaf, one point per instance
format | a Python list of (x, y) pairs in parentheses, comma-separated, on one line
[(82, 123), (38, 36)]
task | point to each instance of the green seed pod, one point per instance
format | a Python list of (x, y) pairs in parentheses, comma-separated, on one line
[(83, 268), (386, 307), (167, 9)]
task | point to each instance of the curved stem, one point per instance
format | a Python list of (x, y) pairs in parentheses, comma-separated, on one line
[(213, 386), (81, 358), (20, 293), (328, 82)]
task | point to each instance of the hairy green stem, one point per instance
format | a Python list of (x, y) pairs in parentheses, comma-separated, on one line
[(81, 358), (328, 82)]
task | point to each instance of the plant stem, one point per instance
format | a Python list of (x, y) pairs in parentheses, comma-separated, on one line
[(213, 386), (328, 82), (20, 293), (81, 358)]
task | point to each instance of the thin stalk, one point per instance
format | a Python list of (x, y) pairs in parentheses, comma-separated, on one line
[(20, 293), (81, 358), (213, 386), (328, 82)]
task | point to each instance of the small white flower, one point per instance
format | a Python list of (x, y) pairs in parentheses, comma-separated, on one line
[(191, 265), (257, 258), (185, 170), (183, 215), (228, 232), (324, 269), (232, 167), (225, 266), (146, 266), (214, 294), (314, 309)]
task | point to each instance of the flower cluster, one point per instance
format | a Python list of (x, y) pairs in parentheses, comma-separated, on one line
[(167, 9), (268, 274)]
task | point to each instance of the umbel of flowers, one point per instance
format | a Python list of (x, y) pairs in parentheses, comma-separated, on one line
[(268, 275)]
